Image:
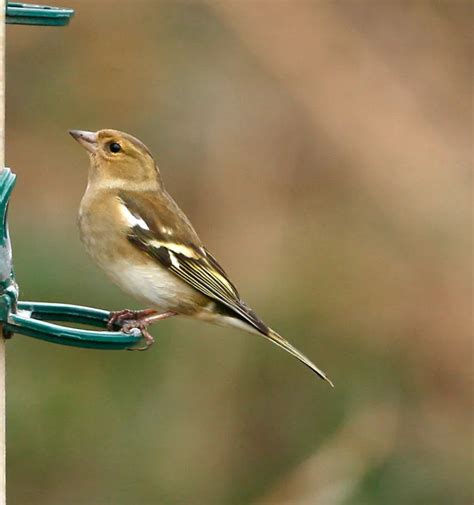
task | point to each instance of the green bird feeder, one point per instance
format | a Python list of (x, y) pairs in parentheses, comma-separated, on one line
[(34, 319), (43, 15)]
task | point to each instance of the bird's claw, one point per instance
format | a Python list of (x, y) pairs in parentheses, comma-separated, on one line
[(130, 320), (118, 317), (149, 340)]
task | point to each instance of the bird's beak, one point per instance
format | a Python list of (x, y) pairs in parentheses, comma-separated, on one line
[(88, 140)]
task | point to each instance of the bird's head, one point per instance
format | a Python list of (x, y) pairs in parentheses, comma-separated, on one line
[(117, 157)]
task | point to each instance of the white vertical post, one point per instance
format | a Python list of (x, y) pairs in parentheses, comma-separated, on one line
[(2, 340)]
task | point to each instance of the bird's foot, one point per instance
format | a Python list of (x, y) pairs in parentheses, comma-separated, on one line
[(118, 317), (142, 323), (143, 327)]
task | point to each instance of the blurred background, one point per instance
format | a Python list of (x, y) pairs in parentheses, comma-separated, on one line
[(323, 152)]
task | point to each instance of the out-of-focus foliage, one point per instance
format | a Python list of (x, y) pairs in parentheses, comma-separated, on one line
[(323, 151)]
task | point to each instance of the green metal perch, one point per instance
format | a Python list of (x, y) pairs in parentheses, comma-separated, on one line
[(44, 15), (34, 318)]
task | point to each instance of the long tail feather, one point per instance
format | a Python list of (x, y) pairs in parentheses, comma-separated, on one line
[(284, 344)]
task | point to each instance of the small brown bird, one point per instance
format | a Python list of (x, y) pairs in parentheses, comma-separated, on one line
[(139, 236)]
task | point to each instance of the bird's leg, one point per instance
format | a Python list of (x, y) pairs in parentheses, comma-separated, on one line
[(153, 318), (119, 316), (142, 324)]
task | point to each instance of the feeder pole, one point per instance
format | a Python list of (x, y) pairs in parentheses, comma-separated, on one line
[(2, 340)]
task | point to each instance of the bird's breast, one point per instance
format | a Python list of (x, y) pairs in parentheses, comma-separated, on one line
[(104, 236)]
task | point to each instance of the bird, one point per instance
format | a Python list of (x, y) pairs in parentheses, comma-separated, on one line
[(136, 233)]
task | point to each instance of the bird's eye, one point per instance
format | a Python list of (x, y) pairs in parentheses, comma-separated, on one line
[(114, 147)]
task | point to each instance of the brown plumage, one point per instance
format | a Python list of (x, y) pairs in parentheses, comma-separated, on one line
[(139, 236)]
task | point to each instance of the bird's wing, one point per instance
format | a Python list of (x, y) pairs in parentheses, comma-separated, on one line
[(176, 246), (160, 229)]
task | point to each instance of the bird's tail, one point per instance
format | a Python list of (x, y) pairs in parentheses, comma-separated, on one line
[(244, 317), (284, 344)]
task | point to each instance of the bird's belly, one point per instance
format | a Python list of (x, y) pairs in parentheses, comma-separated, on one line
[(155, 286)]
